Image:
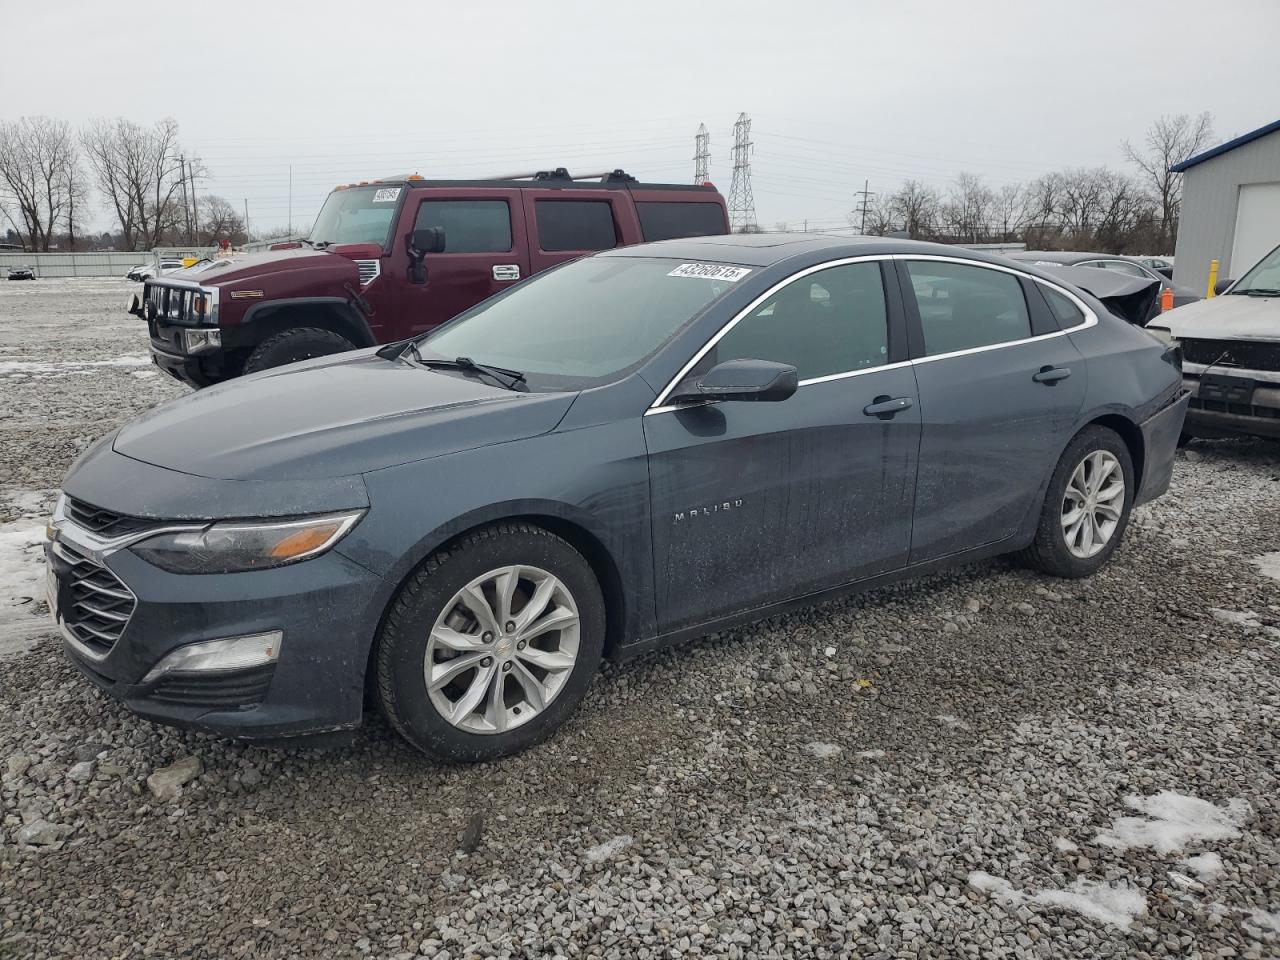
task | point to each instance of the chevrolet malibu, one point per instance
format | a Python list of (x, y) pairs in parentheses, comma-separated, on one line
[(626, 451)]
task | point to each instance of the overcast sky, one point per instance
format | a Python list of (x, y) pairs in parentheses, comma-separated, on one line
[(838, 92)]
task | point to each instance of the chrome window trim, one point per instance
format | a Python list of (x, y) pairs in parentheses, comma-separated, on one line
[(660, 405)]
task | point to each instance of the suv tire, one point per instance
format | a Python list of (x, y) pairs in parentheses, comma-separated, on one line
[(499, 699), (1063, 547), (290, 346)]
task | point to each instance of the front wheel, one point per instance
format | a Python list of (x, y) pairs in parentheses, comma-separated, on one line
[(492, 644), (290, 346), (1086, 508)]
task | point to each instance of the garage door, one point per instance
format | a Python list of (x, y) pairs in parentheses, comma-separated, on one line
[(1257, 225)]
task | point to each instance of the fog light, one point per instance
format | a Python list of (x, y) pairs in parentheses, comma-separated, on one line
[(200, 340), (231, 654)]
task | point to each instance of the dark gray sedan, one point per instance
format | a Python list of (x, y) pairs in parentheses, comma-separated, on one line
[(625, 451), (1129, 266)]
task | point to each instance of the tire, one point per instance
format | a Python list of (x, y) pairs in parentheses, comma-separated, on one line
[(298, 343), (408, 645), (1050, 552)]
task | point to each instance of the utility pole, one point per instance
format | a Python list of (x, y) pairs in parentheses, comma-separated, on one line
[(291, 200), (742, 205), (863, 204), (702, 155), (246, 219), (195, 210), (186, 207)]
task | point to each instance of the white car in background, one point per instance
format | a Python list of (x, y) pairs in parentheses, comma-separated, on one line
[(146, 271)]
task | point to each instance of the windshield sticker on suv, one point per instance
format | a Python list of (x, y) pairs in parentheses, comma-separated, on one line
[(387, 195), (710, 271)]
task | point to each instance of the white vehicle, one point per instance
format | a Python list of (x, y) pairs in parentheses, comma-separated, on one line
[(146, 271)]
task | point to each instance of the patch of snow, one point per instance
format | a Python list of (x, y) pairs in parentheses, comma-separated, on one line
[(1065, 845), (607, 850), (143, 374), (21, 568), (823, 751), (1269, 565), (1116, 906), (998, 887), (68, 366), (1206, 866), (1261, 921), (1247, 619), (1185, 882), (1173, 820)]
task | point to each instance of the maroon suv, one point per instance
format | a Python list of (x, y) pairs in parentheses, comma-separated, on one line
[(390, 259)]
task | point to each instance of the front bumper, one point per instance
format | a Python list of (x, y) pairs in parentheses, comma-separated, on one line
[(323, 608), (1216, 417), (1160, 434)]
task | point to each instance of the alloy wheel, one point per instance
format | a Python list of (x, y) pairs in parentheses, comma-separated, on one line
[(1093, 504), (502, 649)]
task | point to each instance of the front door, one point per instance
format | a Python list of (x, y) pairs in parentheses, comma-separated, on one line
[(997, 404), (753, 503)]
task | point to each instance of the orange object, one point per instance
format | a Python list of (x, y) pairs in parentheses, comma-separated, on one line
[(1166, 300)]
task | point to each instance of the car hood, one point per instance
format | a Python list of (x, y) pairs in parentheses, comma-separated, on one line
[(247, 266), (333, 417), (1229, 317)]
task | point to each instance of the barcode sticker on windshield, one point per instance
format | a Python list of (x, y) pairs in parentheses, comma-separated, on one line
[(710, 271), (387, 195)]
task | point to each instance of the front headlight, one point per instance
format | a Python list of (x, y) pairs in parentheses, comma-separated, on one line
[(201, 338), (234, 546)]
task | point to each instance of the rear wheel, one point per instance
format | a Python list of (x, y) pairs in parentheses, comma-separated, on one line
[(290, 346), (1086, 508), (492, 644)]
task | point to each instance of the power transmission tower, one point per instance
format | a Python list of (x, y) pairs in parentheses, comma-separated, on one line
[(863, 204), (702, 155), (742, 205)]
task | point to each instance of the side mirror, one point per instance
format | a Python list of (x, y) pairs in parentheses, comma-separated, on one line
[(1220, 287), (419, 243), (751, 380)]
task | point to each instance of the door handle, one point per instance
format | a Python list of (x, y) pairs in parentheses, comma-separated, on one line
[(1051, 375), (887, 407)]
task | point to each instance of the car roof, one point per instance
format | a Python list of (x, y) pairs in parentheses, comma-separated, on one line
[(766, 249), (1066, 256)]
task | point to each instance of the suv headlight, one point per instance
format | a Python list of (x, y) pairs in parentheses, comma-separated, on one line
[(233, 546)]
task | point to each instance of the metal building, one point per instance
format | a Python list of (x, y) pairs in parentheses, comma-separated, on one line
[(1230, 207)]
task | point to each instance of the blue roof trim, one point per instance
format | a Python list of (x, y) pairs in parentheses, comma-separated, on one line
[(1239, 141)]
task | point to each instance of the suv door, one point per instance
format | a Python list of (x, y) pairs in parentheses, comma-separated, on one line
[(565, 224), (758, 502), (484, 254), (998, 402)]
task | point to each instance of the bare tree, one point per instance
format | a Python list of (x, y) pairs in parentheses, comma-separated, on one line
[(140, 174), (915, 206), (1009, 211), (37, 175), (1169, 140), (968, 208), (878, 219), (220, 221)]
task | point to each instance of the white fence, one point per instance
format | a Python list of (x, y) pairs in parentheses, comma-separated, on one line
[(95, 264)]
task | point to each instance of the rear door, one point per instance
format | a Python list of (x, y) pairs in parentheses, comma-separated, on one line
[(998, 401), (484, 254), (564, 224)]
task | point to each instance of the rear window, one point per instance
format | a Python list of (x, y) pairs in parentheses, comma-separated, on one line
[(470, 226), (575, 225), (661, 220), (1068, 313)]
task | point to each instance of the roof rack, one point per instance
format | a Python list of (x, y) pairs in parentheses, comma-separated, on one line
[(560, 173)]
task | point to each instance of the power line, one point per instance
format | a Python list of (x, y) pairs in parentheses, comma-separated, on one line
[(742, 205), (701, 155)]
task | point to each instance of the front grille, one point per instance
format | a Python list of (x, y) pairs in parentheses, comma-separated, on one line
[(106, 523), (1250, 354), (369, 270), (1236, 409), (98, 605), (175, 304), (239, 690)]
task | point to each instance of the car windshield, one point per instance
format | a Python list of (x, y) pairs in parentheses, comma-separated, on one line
[(585, 323), (357, 215), (1263, 278)]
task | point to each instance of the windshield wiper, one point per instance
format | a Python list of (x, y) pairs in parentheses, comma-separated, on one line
[(1260, 292), (508, 378)]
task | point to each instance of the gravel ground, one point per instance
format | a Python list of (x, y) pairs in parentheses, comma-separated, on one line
[(983, 763)]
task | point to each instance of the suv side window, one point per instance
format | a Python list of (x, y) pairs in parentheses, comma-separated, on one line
[(665, 220), (470, 226), (575, 225), (832, 321), (962, 306)]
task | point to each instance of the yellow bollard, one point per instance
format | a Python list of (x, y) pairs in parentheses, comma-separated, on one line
[(1213, 278)]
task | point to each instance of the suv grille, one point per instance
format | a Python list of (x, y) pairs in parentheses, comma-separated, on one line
[(173, 303), (104, 522), (1250, 354), (100, 605), (369, 270)]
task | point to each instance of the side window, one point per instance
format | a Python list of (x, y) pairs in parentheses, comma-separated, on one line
[(575, 225), (1068, 314), (832, 321), (470, 226), (963, 306), (667, 221)]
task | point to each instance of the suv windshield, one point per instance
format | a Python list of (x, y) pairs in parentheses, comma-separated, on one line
[(585, 323), (1264, 277), (357, 215)]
